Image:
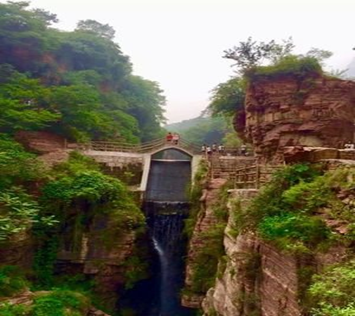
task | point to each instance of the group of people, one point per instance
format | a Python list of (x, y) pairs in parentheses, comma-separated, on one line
[(220, 149), (172, 138), (349, 145), (207, 149)]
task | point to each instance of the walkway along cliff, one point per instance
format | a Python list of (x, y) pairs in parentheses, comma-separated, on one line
[(284, 239)]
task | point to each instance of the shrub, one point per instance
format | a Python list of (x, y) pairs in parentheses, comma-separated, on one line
[(287, 228), (60, 303), (299, 66), (12, 280), (284, 211), (334, 289), (14, 310)]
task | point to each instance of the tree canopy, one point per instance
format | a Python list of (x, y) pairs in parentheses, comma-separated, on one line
[(78, 84)]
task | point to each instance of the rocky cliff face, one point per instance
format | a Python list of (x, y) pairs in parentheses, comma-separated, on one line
[(206, 220), (288, 111), (100, 251), (258, 278), (18, 250)]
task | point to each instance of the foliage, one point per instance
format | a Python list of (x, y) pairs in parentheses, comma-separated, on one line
[(199, 183), (78, 194), (136, 270), (284, 212), (16, 165), (228, 97), (12, 281), (45, 258), (24, 105), (204, 266), (332, 292), (310, 231), (18, 212), (60, 302), (79, 83), (103, 30), (14, 310), (298, 66), (250, 54), (202, 130), (145, 101)]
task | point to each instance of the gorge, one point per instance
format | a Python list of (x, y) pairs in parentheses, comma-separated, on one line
[(102, 215)]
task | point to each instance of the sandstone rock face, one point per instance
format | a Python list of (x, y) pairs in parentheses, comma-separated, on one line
[(206, 219), (288, 111), (100, 251), (257, 278)]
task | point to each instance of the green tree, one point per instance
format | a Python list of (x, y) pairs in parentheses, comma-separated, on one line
[(102, 30), (24, 105), (250, 54), (228, 97), (146, 103)]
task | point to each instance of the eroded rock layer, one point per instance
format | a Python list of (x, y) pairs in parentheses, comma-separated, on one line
[(289, 111)]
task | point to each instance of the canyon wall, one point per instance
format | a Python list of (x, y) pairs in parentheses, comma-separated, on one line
[(316, 111)]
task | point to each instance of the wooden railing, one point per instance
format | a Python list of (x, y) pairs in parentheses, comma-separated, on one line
[(253, 177), (139, 148)]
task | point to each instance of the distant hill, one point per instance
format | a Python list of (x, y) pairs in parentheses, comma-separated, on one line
[(186, 124), (202, 130)]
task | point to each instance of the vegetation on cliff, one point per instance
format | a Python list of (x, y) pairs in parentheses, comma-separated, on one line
[(206, 256), (286, 212), (256, 61), (78, 84), (58, 206), (304, 211)]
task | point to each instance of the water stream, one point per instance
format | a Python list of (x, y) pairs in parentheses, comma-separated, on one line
[(165, 208), (160, 295)]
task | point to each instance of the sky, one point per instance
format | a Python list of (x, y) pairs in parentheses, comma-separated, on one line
[(180, 43)]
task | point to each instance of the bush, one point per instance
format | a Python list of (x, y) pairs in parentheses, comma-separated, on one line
[(299, 66), (12, 281), (60, 303), (284, 211), (334, 290), (14, 310), (287, 228)]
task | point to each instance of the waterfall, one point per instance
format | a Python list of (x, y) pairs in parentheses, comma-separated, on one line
[(165, 222), (165, 208)]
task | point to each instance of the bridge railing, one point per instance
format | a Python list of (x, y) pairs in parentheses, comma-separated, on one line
[(139, 148)]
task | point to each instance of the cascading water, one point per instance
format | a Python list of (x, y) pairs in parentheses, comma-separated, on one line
[(166, 224), (165, 208)]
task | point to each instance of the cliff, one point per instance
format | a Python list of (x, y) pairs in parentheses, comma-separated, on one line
[(86, 230), (315, 111), (202, 255), (270, 270)]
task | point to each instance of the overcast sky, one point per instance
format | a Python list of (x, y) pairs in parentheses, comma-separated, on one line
[(180, 43)]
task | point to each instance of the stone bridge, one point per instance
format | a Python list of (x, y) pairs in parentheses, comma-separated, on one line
[(134, 161)]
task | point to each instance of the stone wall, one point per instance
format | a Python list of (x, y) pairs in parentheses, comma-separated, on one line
[(288, 111)]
